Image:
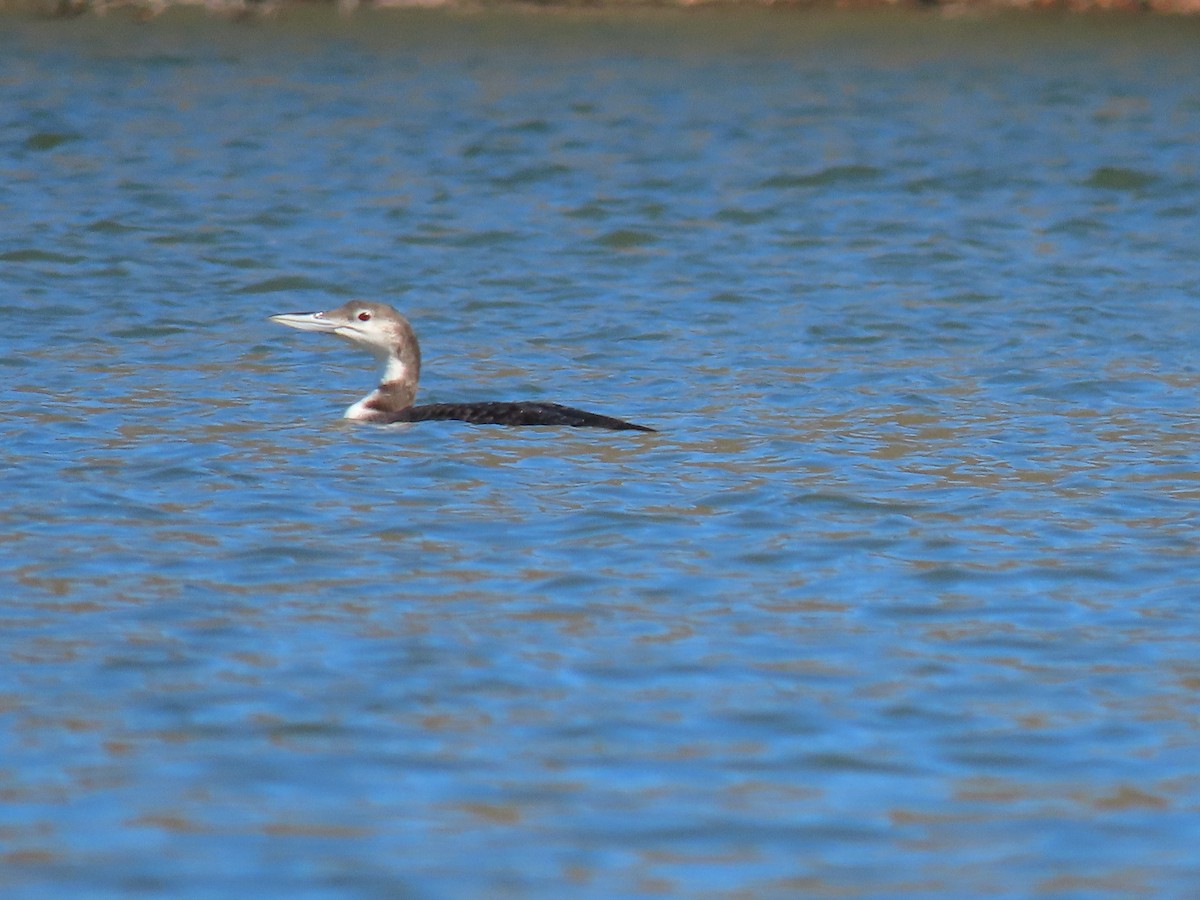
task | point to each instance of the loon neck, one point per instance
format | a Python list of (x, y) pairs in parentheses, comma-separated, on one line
[(382, 404), (398, 388)]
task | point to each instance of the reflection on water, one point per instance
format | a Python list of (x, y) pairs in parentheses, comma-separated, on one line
[(899, 600)]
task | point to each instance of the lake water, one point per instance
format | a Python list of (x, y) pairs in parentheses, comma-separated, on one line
[(902, 599)]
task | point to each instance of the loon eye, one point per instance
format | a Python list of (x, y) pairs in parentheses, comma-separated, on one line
[(364, 316)]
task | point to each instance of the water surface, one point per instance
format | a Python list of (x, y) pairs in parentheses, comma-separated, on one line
[(901, 599)]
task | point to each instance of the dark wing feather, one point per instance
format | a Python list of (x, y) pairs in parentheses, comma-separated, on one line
[(526, 412)]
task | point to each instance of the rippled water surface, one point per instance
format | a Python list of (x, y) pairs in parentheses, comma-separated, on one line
[(901, 599)]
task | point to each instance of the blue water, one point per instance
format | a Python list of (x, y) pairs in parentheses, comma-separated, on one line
[(900, 600)]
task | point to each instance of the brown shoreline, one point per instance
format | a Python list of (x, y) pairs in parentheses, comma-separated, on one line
[(251, 9)]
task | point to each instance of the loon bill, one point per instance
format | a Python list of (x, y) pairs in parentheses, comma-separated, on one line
[(389, 336)]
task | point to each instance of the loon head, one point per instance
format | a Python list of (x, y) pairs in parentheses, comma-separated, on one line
[(375, 327)]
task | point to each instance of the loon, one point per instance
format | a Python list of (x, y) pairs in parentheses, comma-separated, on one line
[(389, 336)]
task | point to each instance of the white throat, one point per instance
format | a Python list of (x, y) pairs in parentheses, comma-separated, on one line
[(395, 370)]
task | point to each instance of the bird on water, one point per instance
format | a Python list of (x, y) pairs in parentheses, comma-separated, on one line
[(381, 330)]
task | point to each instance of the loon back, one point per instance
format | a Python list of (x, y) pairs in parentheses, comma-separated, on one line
[(521, 412), (385, 333)]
